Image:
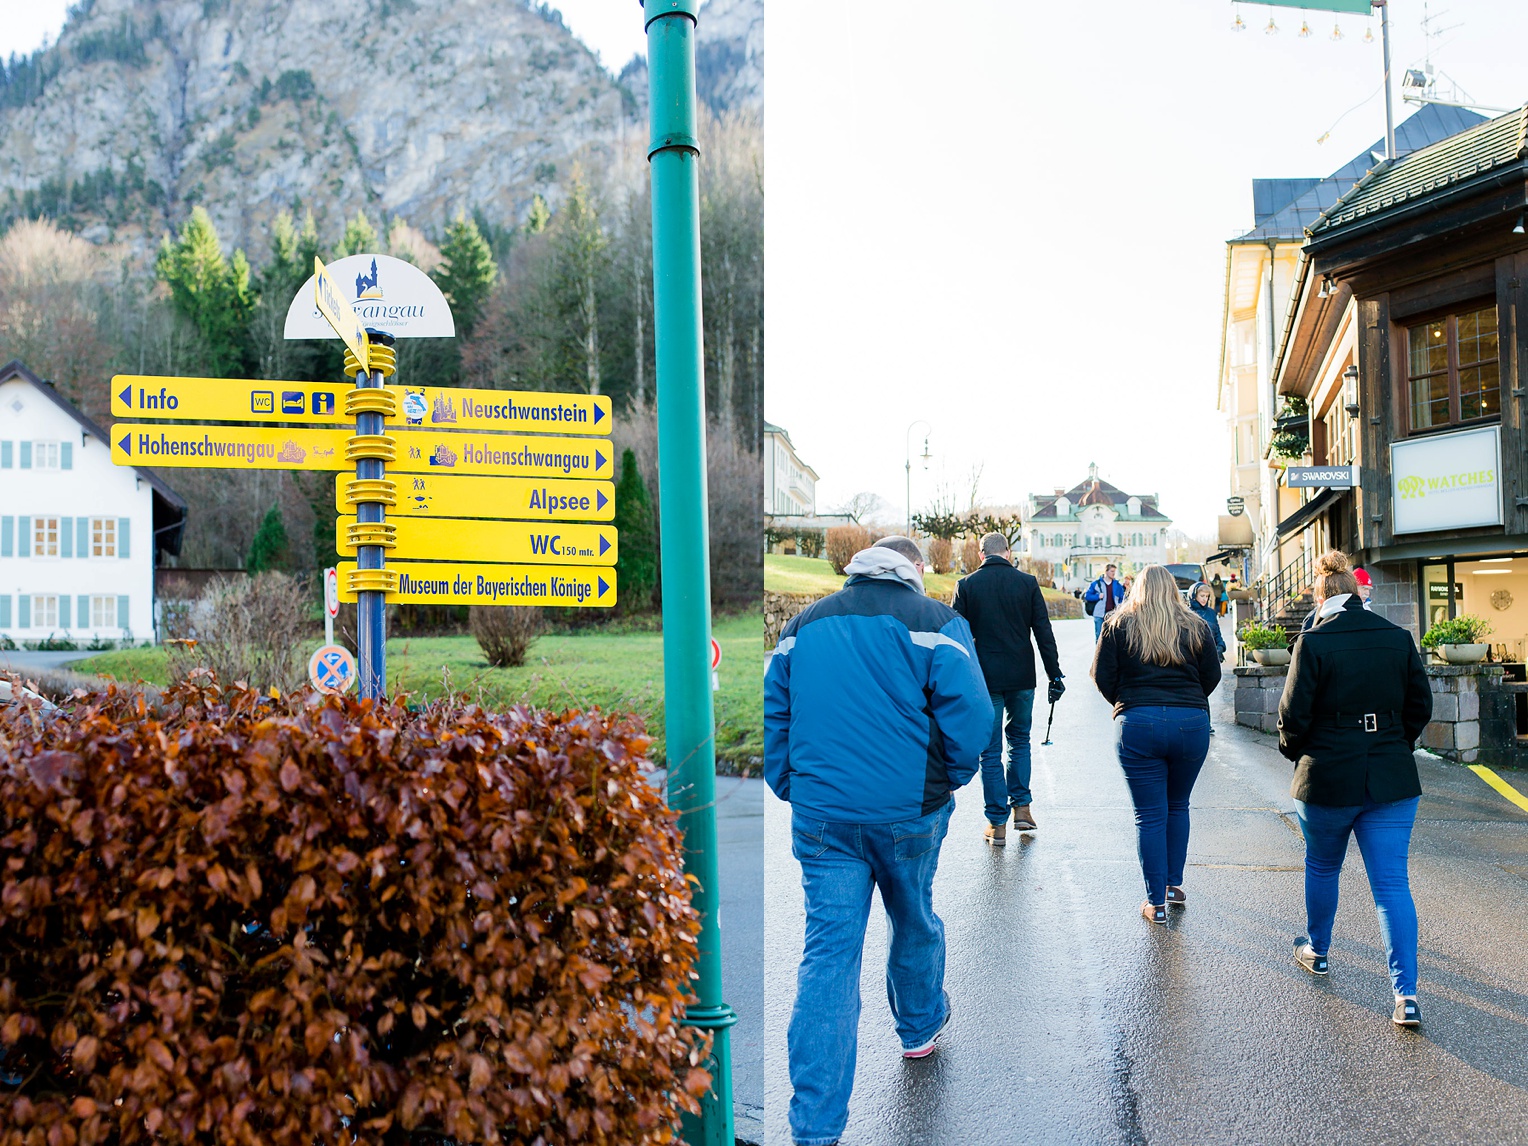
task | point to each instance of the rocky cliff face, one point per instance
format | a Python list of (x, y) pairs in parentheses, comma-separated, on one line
[(411, 108)]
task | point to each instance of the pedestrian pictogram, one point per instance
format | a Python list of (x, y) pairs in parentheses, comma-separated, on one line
[(332, 670)]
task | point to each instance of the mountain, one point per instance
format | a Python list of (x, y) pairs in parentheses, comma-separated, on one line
[(401, 108)]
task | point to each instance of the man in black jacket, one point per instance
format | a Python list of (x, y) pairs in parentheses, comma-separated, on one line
[(1004, 607)]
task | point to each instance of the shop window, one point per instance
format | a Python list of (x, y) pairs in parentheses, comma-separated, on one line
[(1453, 369)]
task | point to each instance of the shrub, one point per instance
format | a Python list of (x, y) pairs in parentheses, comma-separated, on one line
[(970, 555), (270, 548), (843, 542), (1256, 636), (941, 555), (248, 921), (505, 633), (255, 629), (1465, 629), (637, 554)]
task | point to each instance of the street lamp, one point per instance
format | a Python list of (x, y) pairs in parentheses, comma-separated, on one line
[(1350, 391), (908, 442)]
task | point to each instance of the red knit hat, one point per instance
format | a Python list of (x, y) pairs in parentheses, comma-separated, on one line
[(1362, 577)]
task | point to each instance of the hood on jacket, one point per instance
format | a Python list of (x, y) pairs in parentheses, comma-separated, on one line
[(881, 564), (1193, 595)]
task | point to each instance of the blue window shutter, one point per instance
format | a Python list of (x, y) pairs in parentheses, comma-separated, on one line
[(6, 459), (124, 532), (122, 614), (7, 537), (82, 543), (66, 455), (5, 610), (26, 455), (84, 611), (24, 612), (66, 537), (23, 538)]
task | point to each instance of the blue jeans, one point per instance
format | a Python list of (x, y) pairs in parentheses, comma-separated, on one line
[(1020, 706), (1384, 838), (840, 865), (1161, 749), (1098, 627)]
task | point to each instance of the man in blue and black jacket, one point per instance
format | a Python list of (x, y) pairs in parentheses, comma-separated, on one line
[(875, 711)]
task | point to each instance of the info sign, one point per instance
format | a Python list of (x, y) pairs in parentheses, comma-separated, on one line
[(340, 314), (1447, 481), (431, 451), (228, 447)]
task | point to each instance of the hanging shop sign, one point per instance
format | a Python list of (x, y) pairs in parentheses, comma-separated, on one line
[(1319, 477), (1450, 481)]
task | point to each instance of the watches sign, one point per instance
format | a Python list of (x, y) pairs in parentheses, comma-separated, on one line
[(1451, 481)]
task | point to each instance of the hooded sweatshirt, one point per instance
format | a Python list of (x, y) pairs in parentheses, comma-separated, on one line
[(1208, 613)]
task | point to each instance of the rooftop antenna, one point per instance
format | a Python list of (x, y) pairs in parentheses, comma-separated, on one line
[(1421, 86)]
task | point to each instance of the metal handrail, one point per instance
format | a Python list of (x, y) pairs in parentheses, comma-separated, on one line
[(1288, 582)]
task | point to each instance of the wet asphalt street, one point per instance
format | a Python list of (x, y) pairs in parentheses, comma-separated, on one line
[(1077, 1021)]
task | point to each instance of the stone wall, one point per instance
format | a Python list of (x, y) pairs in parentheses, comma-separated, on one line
[(1468, 700), (1394, 595)]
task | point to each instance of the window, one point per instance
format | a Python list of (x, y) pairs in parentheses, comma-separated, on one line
[(45, 455), (44, 537), (103, 537), (103, 612), (1453, 372), (44, 611)]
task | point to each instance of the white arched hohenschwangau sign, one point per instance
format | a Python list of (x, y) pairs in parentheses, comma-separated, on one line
[(387, 293)]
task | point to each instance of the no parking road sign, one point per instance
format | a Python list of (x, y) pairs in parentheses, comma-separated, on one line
[(332, 670)]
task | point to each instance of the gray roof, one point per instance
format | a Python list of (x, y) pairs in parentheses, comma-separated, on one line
[(1096, 491), (1291, 221), (1479, 152)]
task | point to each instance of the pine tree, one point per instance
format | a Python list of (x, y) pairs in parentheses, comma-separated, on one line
[(360, 237), (209, 290), (269, 550), (582, 251), (466, 272), (637, 565), (540, 215)]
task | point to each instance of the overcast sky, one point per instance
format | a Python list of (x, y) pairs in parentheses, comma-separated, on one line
[(1010, 221)]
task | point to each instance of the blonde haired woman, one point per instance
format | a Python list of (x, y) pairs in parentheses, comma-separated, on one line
[(1157, 665)]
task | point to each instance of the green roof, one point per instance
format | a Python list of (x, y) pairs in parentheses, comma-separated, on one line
[(1477, 153)]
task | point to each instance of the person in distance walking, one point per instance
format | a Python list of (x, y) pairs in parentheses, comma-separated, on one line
[(1008, 617), (1355, 702), (1157, 665)]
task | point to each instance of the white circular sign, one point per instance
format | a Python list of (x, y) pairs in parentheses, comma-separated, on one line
[(332, 591), (332, 670)]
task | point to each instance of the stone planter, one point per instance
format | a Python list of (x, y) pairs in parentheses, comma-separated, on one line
[(1271, 657), (1471, 654)]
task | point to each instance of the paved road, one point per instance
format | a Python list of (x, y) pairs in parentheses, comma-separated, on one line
[(1078, 1022), (30, 660), (740, 836)]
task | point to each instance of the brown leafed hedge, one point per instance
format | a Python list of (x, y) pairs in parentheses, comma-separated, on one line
[(241, 920)]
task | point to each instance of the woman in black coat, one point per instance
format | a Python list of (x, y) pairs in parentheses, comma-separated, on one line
[(1157, 664), (1355, 702)]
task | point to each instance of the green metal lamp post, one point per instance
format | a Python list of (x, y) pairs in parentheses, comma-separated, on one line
[(689, 721)]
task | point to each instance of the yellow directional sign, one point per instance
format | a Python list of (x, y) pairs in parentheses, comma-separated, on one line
[(529, 411), (228, 400), (454, 583), (502, 455), (228, 447), (512, 542), (323, 403), (340, 314), (524, 499)]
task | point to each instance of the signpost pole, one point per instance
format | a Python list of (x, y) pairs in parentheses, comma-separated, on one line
[(689, 719), (371, 604)]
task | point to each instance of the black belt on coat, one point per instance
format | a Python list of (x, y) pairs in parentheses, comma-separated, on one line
[(1365, 721)]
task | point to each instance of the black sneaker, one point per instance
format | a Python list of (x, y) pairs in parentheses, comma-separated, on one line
[(1407, 1013), (1306, 956)]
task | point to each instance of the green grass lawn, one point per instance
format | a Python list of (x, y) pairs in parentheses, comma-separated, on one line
[(785, 574), (616, 671)]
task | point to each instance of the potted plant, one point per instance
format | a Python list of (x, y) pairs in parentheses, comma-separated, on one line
[(1459, 640), (1268, 644)]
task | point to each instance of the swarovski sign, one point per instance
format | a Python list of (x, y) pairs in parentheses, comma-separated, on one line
[(1318, 477), (1451, 481)]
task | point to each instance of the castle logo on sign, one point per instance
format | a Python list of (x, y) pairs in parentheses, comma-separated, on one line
[(1447, 481), (388, 294)]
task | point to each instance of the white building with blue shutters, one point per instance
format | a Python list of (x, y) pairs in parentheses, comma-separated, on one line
[(79, 537)]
